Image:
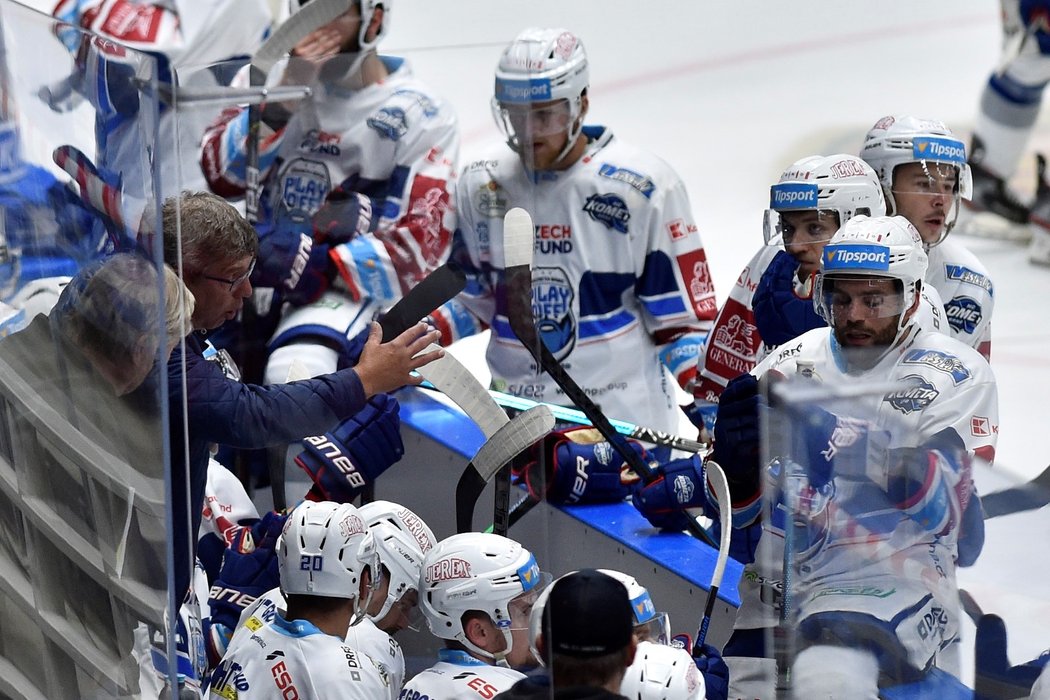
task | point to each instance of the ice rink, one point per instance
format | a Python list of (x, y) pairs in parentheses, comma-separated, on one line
[(729, 93)]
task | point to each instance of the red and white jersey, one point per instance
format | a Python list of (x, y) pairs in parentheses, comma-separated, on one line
[(459, 676), (861, 551), (967, 292), (364, 637), (620, 281), (394, 142), (294, 659)]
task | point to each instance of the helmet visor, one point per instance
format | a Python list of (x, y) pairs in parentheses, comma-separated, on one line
[(524, 121), (861, 298), (799, 227)]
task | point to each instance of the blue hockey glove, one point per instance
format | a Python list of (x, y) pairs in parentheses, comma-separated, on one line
[(738, 436), (679, 485), (577, 466), (341, 463), (780, 314), (994, 676), (249, 569), (343, 216), (351, 350), (290, 261), (715, 671)]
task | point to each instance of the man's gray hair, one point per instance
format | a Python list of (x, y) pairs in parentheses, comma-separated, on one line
[(210, 229)]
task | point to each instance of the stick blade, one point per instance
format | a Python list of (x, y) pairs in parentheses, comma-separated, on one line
[(435, 289), (517, 238)]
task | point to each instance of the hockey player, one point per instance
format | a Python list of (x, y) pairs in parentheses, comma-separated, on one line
[(924, 174), (301, 652), (583, 633), (1007, 113), (620, 283), (812, 199), (651, 630), (476, 592), (356, 187)]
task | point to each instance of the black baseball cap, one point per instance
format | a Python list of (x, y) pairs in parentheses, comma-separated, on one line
[(588, 614)]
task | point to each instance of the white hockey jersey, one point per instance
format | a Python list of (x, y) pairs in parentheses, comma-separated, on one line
[(458, 675), (363, 637), (735, 345), (620, 281), (294, 659), (896, 562), (967, 291), (393, 142)]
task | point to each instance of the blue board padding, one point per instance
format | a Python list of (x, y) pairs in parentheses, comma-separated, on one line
[(678, 552)]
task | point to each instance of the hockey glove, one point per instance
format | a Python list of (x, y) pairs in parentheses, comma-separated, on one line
[(679, 485), (738, 437), (577, 466), (994, 676), (291, 262), (249, 569), (343, 216), (341, 463), (780, 314), (715, 671)]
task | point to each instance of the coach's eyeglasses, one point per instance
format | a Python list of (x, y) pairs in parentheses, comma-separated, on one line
[(236, 280)]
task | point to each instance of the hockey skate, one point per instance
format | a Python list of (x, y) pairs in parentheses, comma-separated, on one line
[(994, 211), (1039, 221)]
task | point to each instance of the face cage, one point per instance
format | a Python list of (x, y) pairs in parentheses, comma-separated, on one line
[(514, 143)]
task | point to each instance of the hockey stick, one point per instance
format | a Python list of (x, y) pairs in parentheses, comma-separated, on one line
[(714, 474), (507, 442), (276, 457), (1031, 495), (432, 291), (457, 382), (572, 415), (518, 245)]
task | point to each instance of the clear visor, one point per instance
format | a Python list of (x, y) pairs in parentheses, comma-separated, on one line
[(524, 122), (858, 299), (656, 630), (926, 192), (520, 607), (799, 227)]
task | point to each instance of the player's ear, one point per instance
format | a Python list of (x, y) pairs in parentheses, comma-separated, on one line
[(477, 631), (916, 300)]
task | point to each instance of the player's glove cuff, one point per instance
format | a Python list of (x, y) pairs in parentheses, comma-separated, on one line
[(679, 486), (341, 463)]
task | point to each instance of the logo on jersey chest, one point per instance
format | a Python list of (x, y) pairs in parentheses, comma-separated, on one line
[(963, 314), (552, 301), (317, 141), (640, 182), (304, 185), (490, 200), (553, 239), (965, 274), (389, 123), (915, 398), (608, 209), (940, 361)]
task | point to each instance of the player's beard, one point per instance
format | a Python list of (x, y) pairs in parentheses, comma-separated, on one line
[(864, 357)]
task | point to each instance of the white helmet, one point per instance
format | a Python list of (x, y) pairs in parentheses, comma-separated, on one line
[(896, 140), (885, 246), (840, 183), (319, 551), (368, 10), (401, 540), (662, 672), (541, 65), (657, 624), (475, 571)]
